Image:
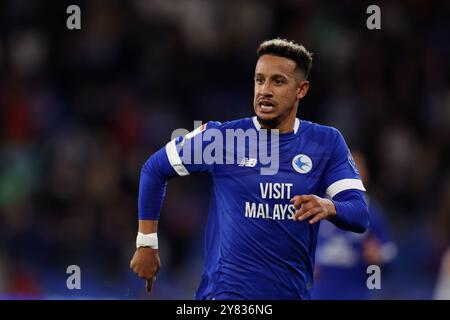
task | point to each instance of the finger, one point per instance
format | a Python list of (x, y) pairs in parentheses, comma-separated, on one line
[(299, 199), (309, 213), (304, 208), (317, 218), (295, 201), (149, 285)]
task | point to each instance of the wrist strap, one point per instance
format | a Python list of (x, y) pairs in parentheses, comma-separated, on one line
[(147, 240)]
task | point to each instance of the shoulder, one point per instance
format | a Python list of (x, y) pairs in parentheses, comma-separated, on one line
[(320, 133), (243, 123)]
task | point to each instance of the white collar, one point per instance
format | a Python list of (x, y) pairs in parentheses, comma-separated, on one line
[(258, 125)]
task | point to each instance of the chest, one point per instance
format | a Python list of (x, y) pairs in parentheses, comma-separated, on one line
[(292, 168)]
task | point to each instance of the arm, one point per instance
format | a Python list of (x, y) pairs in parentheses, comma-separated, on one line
[(347, 210), (154, 175), (146, 262), (352, 213), (175, 159)]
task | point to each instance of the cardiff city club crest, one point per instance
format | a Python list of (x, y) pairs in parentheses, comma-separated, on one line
[(302, 163)]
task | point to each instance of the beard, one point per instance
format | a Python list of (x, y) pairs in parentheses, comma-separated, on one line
[(270, 123), (274, 122)]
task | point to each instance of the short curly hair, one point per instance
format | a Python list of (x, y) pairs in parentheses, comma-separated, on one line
[(287, 49)]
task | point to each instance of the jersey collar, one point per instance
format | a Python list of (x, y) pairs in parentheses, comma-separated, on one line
[(258, 125)]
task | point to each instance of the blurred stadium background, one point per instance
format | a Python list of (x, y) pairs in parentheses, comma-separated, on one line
[(82, 110)]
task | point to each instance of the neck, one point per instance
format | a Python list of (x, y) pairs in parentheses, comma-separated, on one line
[(285, 126)]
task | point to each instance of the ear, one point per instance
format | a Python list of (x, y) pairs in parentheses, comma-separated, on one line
[(302, 89)]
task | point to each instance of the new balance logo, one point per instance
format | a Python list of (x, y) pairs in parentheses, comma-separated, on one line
[(247, 162)]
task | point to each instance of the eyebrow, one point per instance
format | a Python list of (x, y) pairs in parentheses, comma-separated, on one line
[(277, 75)]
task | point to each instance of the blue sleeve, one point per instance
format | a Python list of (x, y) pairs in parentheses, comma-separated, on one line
[(196, 151), (152, 185), (351, 211), (341, 173), (181, 156)]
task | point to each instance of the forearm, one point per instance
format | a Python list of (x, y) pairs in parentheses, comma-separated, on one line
[(148, 226), (351, 211), (152, 185)]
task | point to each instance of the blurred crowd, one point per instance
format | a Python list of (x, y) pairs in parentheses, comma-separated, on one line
[(81, 111)]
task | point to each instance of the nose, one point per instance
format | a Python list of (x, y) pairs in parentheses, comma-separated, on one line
[(266, 89)]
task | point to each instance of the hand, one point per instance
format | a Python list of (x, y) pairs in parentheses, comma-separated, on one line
[(372, 251), (146, 264), (313, 206)]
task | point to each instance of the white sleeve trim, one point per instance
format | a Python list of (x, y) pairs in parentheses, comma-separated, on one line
[(175, 160), (344, 184)]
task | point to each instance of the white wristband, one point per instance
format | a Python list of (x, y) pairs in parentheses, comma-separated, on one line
[(147, 240)]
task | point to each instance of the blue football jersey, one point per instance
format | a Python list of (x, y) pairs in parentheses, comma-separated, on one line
[(340, 264), (253, 247)]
